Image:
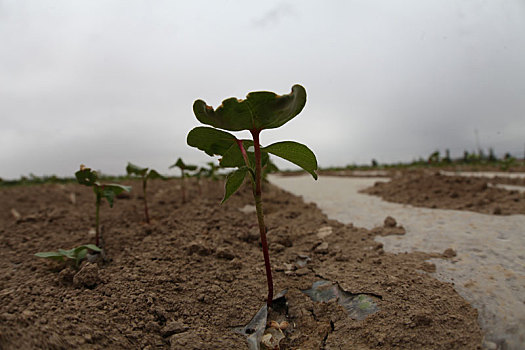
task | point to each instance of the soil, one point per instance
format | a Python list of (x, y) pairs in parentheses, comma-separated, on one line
[(196, 273), (433, 190)]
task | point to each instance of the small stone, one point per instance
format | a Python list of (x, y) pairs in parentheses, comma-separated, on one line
[(16, 215), (87, 276), (324, 232), (449, 253), (247, 209), (73, 198), (322, 248), (390, 222)]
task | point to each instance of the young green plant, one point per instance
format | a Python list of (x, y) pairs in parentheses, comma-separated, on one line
[(76, 254), (87, 177), (259, 111), (210, 172), (183, 167), (145, 174)]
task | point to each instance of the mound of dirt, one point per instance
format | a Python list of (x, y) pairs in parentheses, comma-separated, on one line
[(433, 190), (196, 273)]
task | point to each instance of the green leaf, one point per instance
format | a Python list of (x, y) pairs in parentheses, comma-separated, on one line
[(153, 174), (109, 191), (296, 153), (260, 110), (132, 169), (181, 165), (77, 253), (80, 254), (85, 247), (210, 140), (234, 180), (51, 255), (68, 253), (86, 176), (92, 247)]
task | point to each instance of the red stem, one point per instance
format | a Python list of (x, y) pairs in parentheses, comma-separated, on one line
[(243, 151), (257, 193)]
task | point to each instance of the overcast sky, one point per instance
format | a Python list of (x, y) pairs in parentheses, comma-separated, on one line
[(107, 82)]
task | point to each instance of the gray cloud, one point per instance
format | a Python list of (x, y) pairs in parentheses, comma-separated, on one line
[(103, 83), (274, 15)]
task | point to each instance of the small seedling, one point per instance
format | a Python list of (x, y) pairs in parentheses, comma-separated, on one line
[(145, 174), (76, 254), (211, 172), (183, 167), (87, 177), (260, 110)]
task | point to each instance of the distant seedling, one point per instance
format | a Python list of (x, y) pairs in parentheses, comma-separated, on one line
[(87, 177), (260, 110), (183, 168), (76, 254), (211, 171), (145, 174)]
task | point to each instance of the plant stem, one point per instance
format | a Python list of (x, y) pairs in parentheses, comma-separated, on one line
[(97, 217), (243, 152), (144, 184), (183, 187), (257, 194)]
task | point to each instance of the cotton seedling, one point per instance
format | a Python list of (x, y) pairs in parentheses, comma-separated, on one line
[(211, 171), (259, 111), (87, 177), (145, 174), (76, 254), (183, 168)]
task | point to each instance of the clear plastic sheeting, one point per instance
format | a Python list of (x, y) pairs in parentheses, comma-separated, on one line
[(488, 271), (358, 306), (254, 330)]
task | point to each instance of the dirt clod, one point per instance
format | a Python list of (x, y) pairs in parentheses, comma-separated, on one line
[(174, 327), (449, 253), (390, 222), (87, 276)]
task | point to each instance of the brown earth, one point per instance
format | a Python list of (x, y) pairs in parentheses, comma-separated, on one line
[(196, 272), (432, 190)]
